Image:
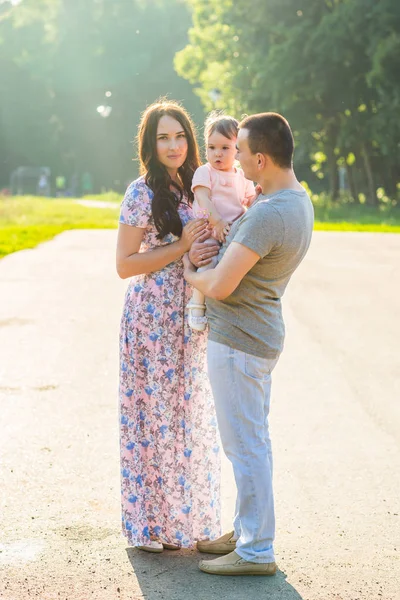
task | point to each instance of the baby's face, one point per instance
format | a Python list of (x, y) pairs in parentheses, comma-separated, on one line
[(221, 151)]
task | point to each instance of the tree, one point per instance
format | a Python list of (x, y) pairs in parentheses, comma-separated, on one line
[(328, 65), (59, 59)]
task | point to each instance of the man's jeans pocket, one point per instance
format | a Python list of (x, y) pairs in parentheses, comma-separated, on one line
[(259, 368)]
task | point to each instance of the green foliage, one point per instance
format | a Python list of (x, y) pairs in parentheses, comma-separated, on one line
[(330, 66), (59, 58)]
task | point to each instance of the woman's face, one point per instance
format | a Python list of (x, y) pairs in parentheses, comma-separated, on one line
[(172, 145)]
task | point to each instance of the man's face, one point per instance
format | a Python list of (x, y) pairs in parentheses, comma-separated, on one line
[(248, 161)]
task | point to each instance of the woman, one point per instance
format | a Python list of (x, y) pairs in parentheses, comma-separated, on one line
[(169, 450)]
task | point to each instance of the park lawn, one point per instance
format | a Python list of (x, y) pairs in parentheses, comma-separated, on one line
[(351, 226), (27, 221), (375, 222), (331, 216)]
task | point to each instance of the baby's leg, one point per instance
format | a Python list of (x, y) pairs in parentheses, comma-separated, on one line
[(197, 296), (197, 307)]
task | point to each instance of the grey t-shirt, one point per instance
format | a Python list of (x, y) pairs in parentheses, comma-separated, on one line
[(278, 228)]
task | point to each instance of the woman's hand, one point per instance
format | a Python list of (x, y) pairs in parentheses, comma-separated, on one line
[(201, 253), (192, 232)]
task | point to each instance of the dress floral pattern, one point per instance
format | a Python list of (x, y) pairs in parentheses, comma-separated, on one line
[(169, 444)]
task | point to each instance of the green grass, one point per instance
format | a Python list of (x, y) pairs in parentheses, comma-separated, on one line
[(105, 197), (27, 221), (350, 226), (354, 217)]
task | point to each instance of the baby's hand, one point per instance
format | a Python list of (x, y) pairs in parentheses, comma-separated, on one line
[(247, 202), (221, 230)]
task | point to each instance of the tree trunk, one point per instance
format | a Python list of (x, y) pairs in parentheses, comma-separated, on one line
[(333, 174), (391, 184), (372, 200), (331, 135), (352, 183)]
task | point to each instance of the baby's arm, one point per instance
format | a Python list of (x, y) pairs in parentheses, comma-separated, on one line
[(249, 201), (251, 193), (203, 198)]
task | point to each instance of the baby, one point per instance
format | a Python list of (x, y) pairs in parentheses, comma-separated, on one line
[(221, 194)]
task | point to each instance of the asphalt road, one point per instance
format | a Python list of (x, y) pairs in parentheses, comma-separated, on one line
[(335, 424)]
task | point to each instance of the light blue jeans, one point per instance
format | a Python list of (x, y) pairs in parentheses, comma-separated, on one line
[(241, 385)]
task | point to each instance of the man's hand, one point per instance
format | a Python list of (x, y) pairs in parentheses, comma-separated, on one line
[(200, 253), (187, 264), (219, 283)]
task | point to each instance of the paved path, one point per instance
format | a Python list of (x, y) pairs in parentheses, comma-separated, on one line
[(335, 427)]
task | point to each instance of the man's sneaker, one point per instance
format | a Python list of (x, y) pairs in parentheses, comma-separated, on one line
[(223, 545), (233, 564)]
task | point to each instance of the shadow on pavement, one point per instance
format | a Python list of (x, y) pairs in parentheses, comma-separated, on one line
[(175, 576)]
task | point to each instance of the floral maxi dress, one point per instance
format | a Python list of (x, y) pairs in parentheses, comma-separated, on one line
[(168, 442)]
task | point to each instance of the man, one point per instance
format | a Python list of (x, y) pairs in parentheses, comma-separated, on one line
[(261, 252)]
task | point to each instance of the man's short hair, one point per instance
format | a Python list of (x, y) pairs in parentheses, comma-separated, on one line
[(270, 133)]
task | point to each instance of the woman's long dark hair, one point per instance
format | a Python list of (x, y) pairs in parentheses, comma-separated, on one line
[(165, 202)]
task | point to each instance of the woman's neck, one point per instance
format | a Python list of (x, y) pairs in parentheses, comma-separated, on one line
[(173, 173)]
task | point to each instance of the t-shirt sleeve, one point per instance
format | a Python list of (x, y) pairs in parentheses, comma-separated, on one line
[(202, 177), (136, 205), (261, 229)]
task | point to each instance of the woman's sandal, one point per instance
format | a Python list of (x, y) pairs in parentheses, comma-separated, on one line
[(156, 546), (171, 546), (153, 546), (196, 323)]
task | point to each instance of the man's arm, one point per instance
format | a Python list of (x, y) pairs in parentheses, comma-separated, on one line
[(219, 283)]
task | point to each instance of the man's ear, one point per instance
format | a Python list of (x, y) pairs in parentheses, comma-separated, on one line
[(261, 161)]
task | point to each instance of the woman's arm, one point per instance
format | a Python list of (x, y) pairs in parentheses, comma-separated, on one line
[(131, 262)]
